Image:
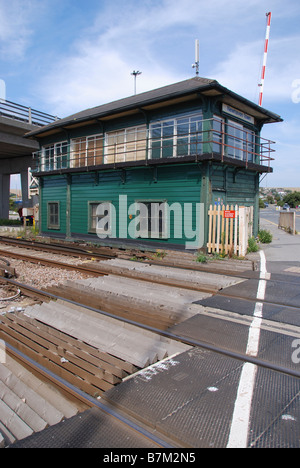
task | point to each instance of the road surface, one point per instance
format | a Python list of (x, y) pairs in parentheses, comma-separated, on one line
[(272, 216)]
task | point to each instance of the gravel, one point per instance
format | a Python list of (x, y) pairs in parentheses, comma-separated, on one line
[(37, 276), (41, 277)]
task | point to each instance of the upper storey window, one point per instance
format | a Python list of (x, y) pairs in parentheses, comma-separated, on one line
[(233, 140), (176, 137), (241, 142), (188, 135), (87, 151), (55, 156), (126, 145)]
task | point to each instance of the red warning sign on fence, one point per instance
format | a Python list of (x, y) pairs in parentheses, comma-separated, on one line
[(229, 214)]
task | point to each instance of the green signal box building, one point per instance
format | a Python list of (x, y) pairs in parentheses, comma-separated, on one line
[(185, 147)]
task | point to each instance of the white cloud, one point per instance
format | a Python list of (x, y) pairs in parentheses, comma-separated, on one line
[(287, 149), (241, 70), (94, 64), (99, 69), (148, 36), (96, 76), (16, 27)]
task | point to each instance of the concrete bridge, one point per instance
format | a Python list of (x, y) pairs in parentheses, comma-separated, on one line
[(15, 150)]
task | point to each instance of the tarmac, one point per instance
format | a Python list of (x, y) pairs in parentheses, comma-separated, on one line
[(284, 251)]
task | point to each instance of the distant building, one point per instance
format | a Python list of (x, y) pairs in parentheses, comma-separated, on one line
[(190, 143), (16, 192)]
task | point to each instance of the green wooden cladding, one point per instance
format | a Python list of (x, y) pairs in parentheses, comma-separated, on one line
[(173, 183)]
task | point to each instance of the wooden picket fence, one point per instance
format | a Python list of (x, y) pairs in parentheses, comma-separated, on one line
[(230, 228)]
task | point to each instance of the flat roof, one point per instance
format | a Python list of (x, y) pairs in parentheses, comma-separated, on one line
[(167, 95)]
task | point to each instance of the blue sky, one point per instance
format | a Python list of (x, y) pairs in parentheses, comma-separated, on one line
[(63, 56)]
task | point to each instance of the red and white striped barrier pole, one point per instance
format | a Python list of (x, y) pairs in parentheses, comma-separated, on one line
[(265, 59)]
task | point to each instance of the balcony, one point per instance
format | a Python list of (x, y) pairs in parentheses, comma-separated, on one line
[(173, 141)]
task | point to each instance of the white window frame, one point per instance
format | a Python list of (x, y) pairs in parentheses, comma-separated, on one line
[(121, 156), (149, 234), (241, 145), (218, 135), (46, 161), (91, 230), (236, 150), (175, 121), (54, 227), (84, 153)]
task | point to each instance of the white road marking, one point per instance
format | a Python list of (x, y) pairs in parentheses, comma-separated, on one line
[(238, 437), (293, 270)]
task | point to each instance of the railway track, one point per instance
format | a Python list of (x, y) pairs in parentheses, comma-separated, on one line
[(166, 333), (60, 248), (86, 397), (179, 259), (81, 371), (186, 330), (122, 268), (83, 402)]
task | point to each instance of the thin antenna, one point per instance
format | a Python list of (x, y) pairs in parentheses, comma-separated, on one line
[(265, 58), (135, 74), (197, 57), (2, 90)]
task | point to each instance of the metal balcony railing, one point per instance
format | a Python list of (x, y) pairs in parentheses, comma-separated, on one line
[(211, 136), (21, 113)]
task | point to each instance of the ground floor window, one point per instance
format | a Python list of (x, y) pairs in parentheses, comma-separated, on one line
[(153, 219), (99, 218), (53, 215)]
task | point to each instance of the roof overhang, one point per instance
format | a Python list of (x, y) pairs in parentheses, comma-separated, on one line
[(185, 91)]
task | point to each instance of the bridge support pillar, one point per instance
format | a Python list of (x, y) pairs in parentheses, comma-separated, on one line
[(27, 203), (4, 195)]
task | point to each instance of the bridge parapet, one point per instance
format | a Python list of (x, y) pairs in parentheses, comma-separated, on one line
[(25, 114), (15, 150)]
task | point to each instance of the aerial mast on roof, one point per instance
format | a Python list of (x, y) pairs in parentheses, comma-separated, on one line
[(263, 74), (2, 90), (197, 57), (135, 74)]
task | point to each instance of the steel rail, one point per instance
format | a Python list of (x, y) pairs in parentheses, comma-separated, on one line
[(183, 339), (87, 254), (85, 398), (55, 248), (54, 263), (98, 272), (218, 270)]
